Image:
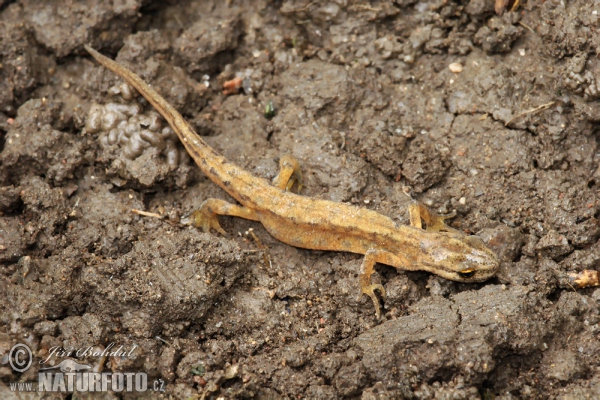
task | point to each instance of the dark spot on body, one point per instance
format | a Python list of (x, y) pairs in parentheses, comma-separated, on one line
[(244, 198), (226, 183), (192, 152)]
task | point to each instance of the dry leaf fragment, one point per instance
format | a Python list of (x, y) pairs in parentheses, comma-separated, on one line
[(585, 278)]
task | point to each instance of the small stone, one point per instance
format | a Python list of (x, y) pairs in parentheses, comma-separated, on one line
[(231, 371), (456, 67), (553, 245), (506, 242)]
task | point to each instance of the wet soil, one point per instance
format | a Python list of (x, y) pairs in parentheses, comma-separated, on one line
[(446, 102)]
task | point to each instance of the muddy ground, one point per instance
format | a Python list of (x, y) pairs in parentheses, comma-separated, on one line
[(366, 98)]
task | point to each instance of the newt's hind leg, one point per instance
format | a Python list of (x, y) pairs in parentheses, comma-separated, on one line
[(289, 173), (206, 216), (434, 222)]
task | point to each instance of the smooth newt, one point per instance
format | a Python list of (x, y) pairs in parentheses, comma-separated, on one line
[(321, 224)]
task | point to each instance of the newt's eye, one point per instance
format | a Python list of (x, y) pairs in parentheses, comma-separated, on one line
[(466, 273)]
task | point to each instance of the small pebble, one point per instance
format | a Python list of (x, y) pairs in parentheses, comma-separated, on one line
[(456, 67)]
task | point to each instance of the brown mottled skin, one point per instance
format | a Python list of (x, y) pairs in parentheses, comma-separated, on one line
[(321, 224)]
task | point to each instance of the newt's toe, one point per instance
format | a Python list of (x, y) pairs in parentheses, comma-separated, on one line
[(205, 220), (370, 291)]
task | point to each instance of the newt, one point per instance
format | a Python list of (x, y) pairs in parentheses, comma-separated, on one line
[(318, 224)]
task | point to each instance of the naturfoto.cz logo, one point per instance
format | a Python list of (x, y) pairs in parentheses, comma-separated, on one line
[(71, 376)]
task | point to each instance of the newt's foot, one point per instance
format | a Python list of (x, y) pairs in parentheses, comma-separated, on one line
[(437, 223), (433, 221), (289, 174), (204, 218), (370, 291)]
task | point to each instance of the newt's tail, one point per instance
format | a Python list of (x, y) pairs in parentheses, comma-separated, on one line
[(177, 122), (225, 174)]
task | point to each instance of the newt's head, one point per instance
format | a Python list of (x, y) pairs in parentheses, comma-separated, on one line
[(457, 257)]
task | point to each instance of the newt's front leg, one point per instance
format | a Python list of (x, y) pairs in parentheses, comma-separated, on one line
[(289, 173), (372, 257), (434, 222), (418, 214)]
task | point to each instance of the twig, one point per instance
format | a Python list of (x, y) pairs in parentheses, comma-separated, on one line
[(146, 213), (265, 250), (162, 340), (533, 110), (526, 26), (365, 7)]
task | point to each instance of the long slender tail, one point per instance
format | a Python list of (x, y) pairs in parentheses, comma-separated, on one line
[(173, 117), (227, 175)]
